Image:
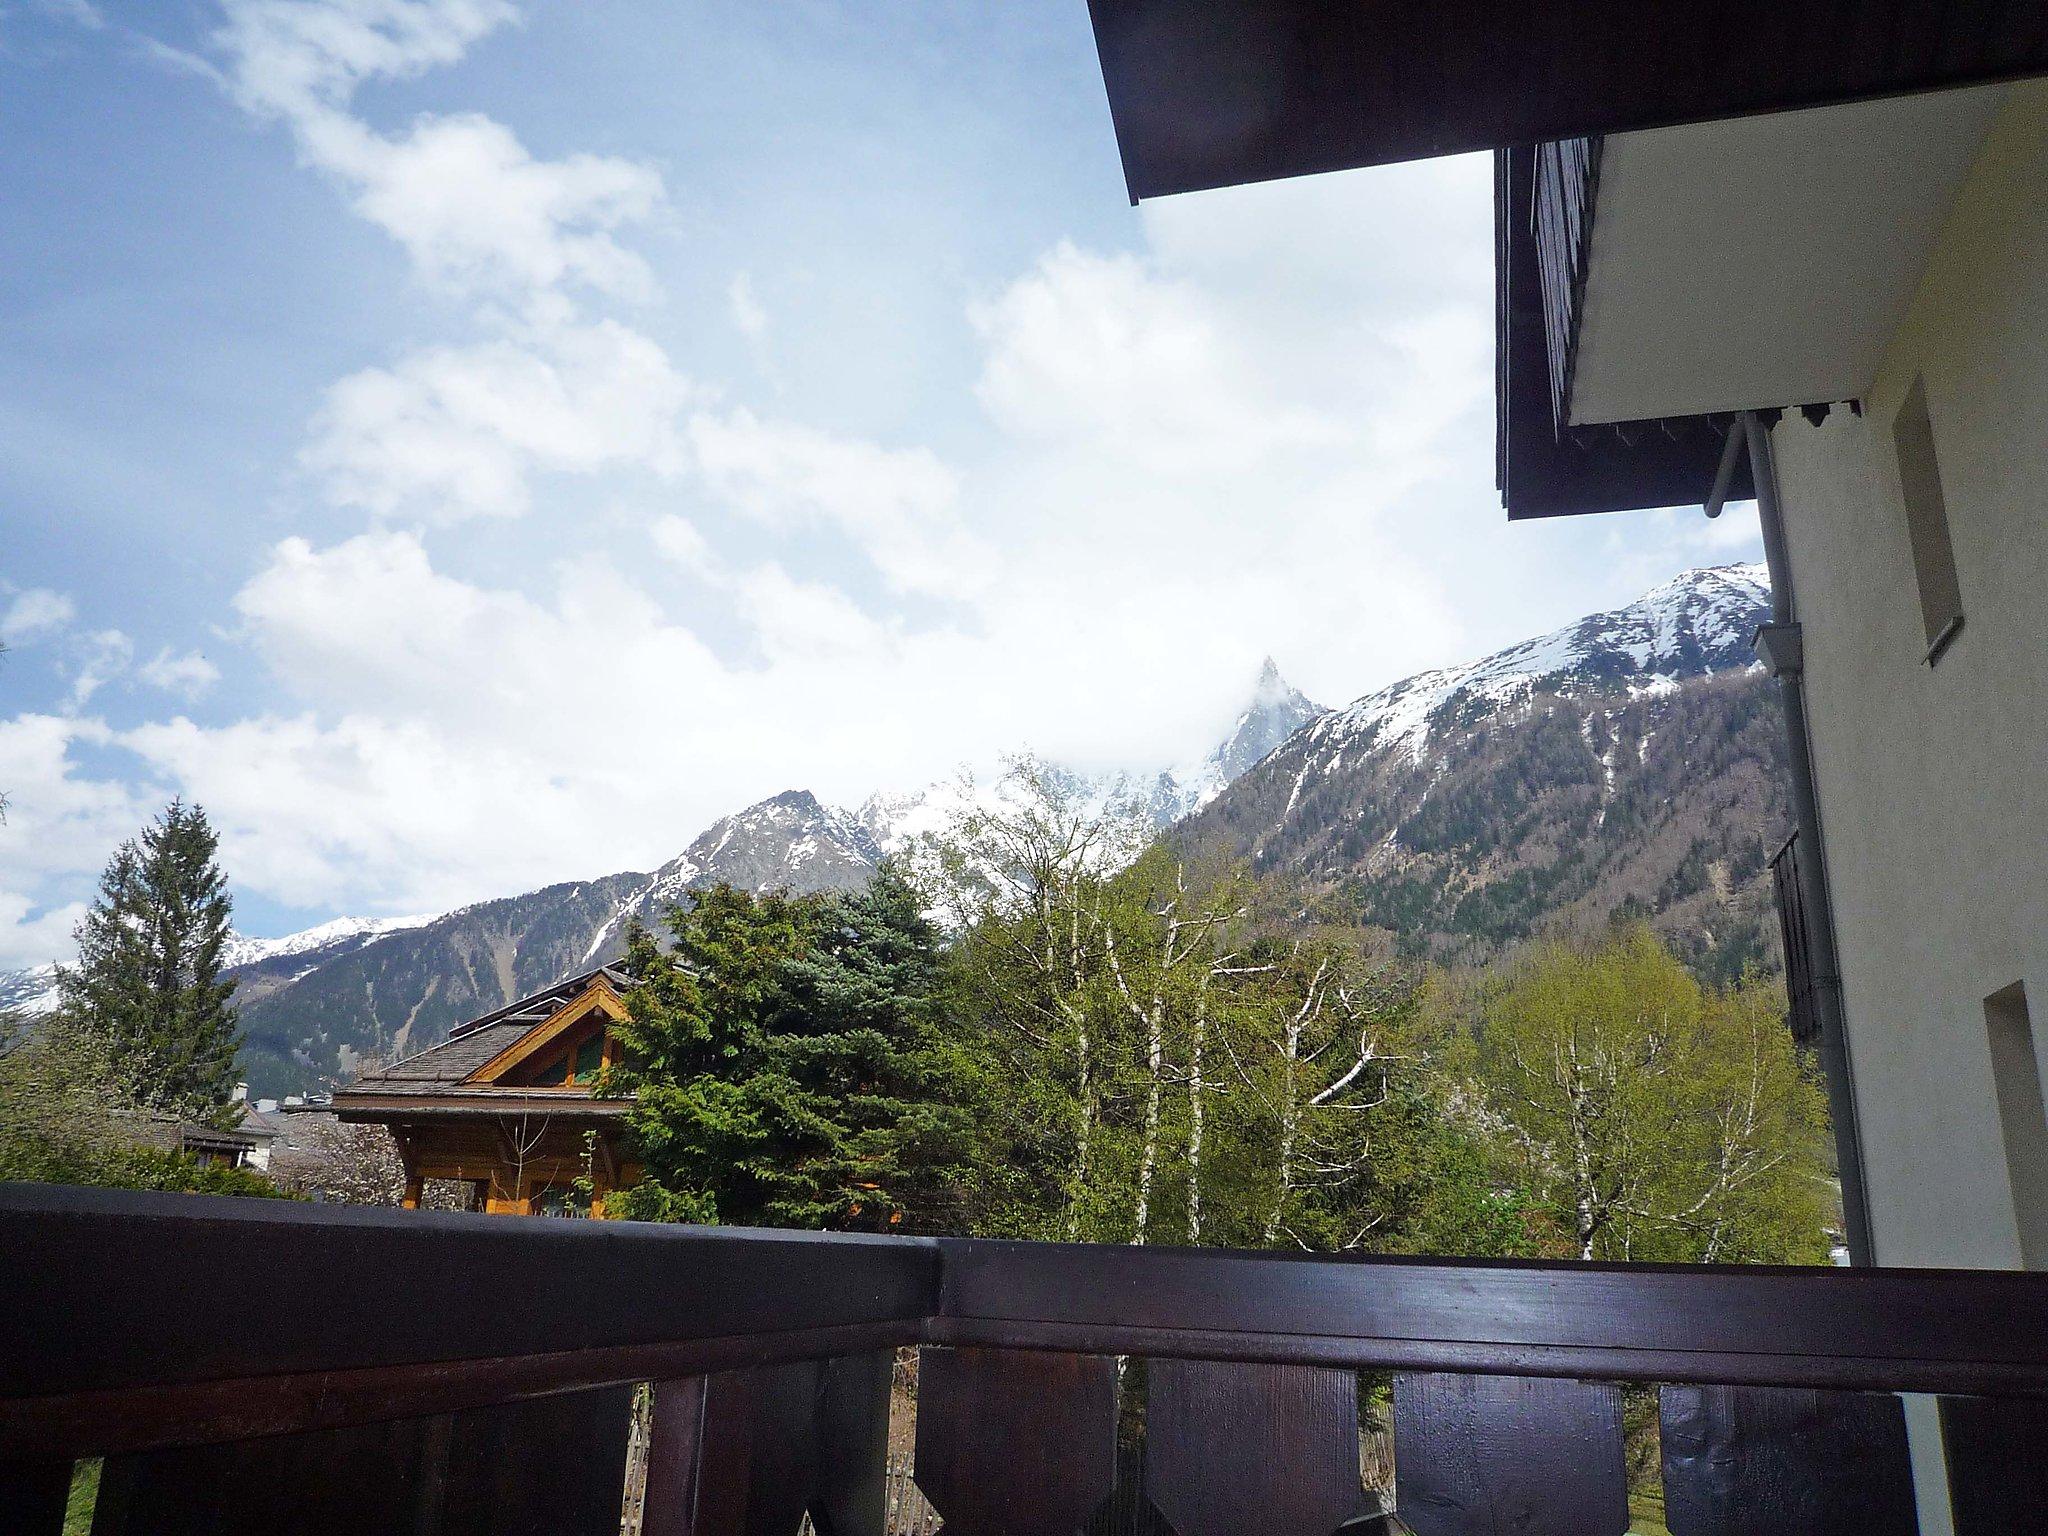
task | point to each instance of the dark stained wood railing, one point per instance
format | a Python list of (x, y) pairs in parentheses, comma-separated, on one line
[(243, 1364)]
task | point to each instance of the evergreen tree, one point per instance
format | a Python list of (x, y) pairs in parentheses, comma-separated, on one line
[(859, 1083), (788, 1065), (147, 985)]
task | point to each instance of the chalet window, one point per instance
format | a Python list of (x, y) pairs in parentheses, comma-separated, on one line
[(589, 1056), (2016, 1077), (1934, 555)]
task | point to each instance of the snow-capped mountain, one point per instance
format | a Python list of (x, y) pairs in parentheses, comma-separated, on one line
[(323, 941), (33, 990), (1630, 761), (383, 993), (259, 963), (1690, 626), (1277, 710)]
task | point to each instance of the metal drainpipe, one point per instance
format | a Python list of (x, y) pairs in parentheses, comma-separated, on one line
[(1780, 646)]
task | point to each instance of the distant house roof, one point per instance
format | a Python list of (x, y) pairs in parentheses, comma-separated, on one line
[(450, 1071), (172, 1133)]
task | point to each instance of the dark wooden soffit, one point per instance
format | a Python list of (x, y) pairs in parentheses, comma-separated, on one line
[(1545, 472), (1210, 93)]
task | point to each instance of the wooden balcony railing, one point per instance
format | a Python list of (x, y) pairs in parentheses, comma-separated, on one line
[(254, 1366)]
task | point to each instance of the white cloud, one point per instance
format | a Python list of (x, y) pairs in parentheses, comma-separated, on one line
[(1265, 429), (897, 505), (190, 674), (748, 316), (57, 817), (477, 213), (35, 612), (32, 937), (453, 432), (1089, 346), (294, 58), (99, 658)]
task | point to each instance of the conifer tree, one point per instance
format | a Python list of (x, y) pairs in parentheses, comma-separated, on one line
[(147, 986), (789, 1063)]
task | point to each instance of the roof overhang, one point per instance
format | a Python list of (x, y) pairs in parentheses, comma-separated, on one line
[(474, 1106), (1763, 262), (1210, 93), (1781, 247)]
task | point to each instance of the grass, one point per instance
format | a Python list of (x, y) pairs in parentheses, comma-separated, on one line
[(1646, 1512), (85, 1493)]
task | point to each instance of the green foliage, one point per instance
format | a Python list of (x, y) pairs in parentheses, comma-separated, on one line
[(1658, 1119), (147, 983), (1177, 1054), (1113, 1044), (60, 1124), (788, 1063), (84, 1496)]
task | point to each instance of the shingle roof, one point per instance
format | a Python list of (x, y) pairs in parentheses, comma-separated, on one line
[(468, 1046)]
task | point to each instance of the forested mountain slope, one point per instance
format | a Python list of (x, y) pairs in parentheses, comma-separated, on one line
[(1631, 762)]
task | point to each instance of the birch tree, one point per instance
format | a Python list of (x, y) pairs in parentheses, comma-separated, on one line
[(1320, 1037), (1022, 870), (1661, 1119)]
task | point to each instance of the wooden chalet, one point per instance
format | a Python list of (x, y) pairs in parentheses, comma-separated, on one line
[(504, 1104)]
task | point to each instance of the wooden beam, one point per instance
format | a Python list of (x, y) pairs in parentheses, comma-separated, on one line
[(149, 1335), (78, 1424), (1015, 1444), (1496, 1453), (150, 1349), (33, 1497), (1240, 1450), (555, 1465), (1760, 1461), (1854, 1329)]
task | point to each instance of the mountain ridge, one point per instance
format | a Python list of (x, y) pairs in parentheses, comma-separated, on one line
[(1631, 762), (1625, 761)]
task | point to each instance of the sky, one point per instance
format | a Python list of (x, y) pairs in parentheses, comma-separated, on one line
[(466, 445)]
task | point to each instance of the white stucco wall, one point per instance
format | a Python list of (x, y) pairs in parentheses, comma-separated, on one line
[(1933, 782)]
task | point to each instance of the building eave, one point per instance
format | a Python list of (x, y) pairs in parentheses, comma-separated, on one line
[(1541, 470), (476, 1105), (1211, 93)]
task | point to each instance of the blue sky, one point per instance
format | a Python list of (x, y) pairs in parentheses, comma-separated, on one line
[(466, 445)]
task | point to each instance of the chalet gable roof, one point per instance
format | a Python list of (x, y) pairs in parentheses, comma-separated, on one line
[(475, 1053), (598, 996)]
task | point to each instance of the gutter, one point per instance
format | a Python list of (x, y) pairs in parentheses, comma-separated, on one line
[(1779, 645)]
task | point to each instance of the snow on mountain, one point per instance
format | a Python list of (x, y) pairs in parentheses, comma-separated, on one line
[(33, 990), (792, 839), (1629, 762), (1277, 710), (331, 935), (1697, 623)]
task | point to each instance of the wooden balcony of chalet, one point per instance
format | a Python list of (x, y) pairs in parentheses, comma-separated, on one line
[(252, 1366)]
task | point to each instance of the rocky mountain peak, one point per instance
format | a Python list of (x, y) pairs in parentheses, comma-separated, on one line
[(1275, 711)]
